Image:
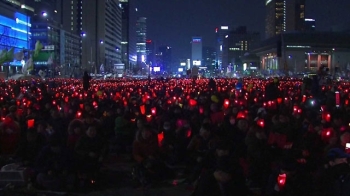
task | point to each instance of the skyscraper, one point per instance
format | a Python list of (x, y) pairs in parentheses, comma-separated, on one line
[(128, 53), (165, 56), (141, 31), (197, 48), (284, 15), (150, 52), (209, 57), (239, 42), (101, 32), (220, 32)]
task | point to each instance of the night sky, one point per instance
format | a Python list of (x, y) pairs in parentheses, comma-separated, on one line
[(174, 22)]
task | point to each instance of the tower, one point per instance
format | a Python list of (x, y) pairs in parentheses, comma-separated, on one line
[(284, 15), (141, 31)]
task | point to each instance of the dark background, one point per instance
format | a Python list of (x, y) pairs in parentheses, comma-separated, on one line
[(174, 22)]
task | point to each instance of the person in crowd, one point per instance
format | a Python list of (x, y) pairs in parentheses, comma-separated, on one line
[(334, 178), (198, 149), (29, 148), (86, 81), (75, 131), (223, 180), (91, 149), (289, 180), (54, 166), (10, 134)]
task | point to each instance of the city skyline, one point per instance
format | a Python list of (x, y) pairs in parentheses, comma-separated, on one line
[(175, 22)]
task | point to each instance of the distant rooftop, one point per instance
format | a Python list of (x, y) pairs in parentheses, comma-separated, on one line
[(312, 39)]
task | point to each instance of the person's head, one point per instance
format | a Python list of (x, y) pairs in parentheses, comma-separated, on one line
[(32, 135), (146, 132), (242, 125), (337, 156), (223, 148), (89, 118), (223, 171), (140, 123), (345, 138), (13, 109), (54, 113), (337, 119), (41, 126), (167, 125), (91, 132), (54, 144), (205, 130)]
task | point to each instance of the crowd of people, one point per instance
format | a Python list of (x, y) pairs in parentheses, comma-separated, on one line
[(233, 137)]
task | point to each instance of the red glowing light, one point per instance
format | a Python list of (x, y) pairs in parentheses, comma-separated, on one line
[(160, 138), (281, 180), (30, 123), (154, 111)]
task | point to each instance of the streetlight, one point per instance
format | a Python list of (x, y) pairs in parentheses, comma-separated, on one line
[(44, 14)]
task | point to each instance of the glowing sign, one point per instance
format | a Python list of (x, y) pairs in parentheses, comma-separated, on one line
[(183, 64), (180, 69), (198, 63), (268, 1), (156, 69), (224, 27), (309, 20), (196, 40)]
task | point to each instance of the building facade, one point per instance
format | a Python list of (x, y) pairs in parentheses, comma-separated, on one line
[(101, 35), (221, 33), (56, 25), (239, 42), (310, 25), (284, 15), (15, 24), (209, 57), (197, 51), (165, 57), (141, 33), (128, 51), (306, 52), (150, 52)]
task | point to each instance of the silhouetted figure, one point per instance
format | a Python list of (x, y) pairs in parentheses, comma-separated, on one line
[(86, 81), (212, 84)]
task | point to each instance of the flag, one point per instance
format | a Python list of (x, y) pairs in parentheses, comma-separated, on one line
[(50, 60), (18, 56), (28, 66), (9, 55), (2, 56), (38, 47)]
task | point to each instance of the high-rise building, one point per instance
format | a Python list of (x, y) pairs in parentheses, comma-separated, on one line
[(141, 31), (197, 48), (101, 32), (128, 50), (15, 23), (239, 42), (165, 57), (220, 32), (55, 25), (310, 25), (284, 15), (150, 52), (209, 57)]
